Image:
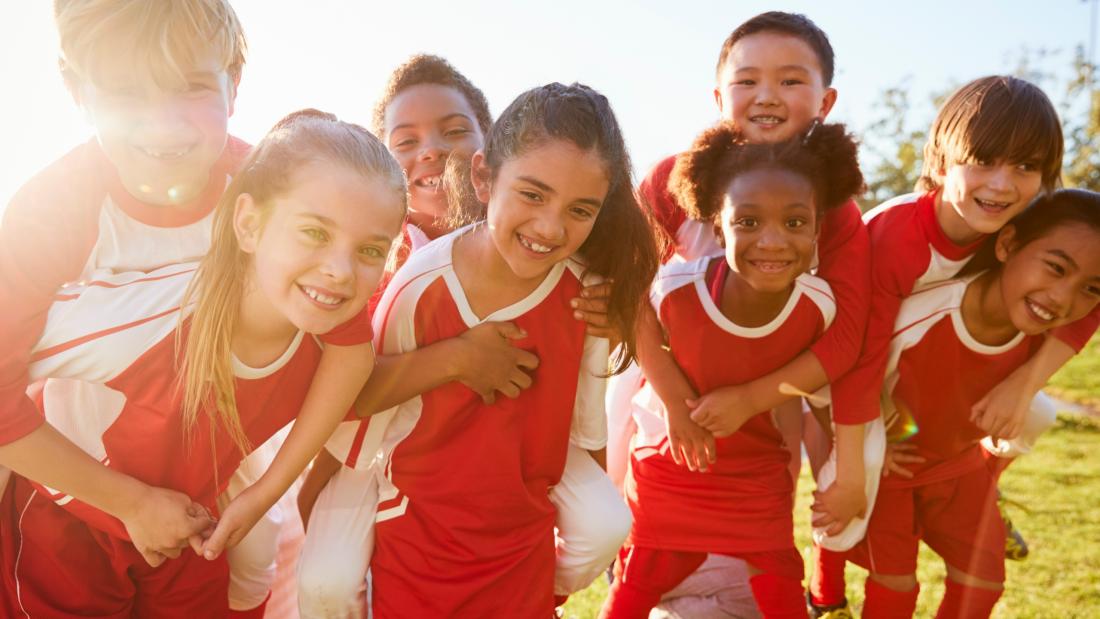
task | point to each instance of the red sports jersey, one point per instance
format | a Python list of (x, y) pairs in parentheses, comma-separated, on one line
[(843, 259), (936, 372), (911, 253), (743, 503), (465, 526), (120, 332)]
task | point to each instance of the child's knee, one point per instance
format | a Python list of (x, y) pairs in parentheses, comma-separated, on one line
[(895, 582), (330, 589)]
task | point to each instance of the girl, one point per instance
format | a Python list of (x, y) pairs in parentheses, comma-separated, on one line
[(300, 239), (966, 336), (432, 118), (755, 303), (976, 177), (465, 524)]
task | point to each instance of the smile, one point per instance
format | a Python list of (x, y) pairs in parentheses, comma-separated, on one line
[(324, 299), (1040, 312), (166, 154), (991, 206), (771, 266), (534, 246), (767, 120)]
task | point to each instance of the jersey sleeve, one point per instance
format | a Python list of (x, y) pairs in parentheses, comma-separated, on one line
[(654, 195), (844, 259), (589, 426), (48, 230), (1077, 334)]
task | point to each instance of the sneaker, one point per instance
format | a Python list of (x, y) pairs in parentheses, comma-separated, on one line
[(836, 611), (1015, 545)]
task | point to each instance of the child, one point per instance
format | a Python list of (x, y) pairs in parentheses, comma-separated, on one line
[(158, 82), (465, 524), (755, 303), (431, 117), (976, 176), (300, 240), (965, 336)]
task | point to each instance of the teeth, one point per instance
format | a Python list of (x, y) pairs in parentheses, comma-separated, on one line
[(770, 266), (165, 154), (991, 204), (429, 181), (766, 120), (1040, 312), (533, 246), (321, 298)]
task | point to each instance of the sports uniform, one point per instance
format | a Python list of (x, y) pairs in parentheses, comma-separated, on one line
[(950, 503), (63, 556), (742, 505)]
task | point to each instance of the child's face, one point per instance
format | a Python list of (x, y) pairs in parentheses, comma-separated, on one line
[(772, 88), (322, 249), (162, 142), (423, 125), (1051, 281), (543, 204), (988, 196), (769, 227)]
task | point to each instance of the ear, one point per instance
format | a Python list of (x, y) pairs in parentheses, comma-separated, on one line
[(827, 103), (1006, 243), (481, 176), (718, 234), (718, 99), (247, 223), (234, 83), (72, 83)]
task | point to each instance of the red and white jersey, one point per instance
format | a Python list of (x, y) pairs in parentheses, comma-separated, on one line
[(119, 332), (743, 502), (910, 253), (73, 222), (465, 525), (843, 258), (936, 371)]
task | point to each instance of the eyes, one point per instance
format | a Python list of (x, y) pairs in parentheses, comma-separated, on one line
[(319, 236), (751, 223), (451, 134), (582, 212), (1058, 270), (787, 81)]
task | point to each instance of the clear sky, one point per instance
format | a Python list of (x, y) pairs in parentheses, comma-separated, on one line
[(654, 59)]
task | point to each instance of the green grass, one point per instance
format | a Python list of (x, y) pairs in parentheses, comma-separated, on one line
[(1060, 484), (1079, 380)]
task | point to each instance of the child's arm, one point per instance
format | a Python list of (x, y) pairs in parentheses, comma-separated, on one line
[(340, 376), (846, 498), (1002, 411)]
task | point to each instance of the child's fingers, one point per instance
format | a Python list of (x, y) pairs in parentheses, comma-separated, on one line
[(597, 291), (217, 542), (509, 330)]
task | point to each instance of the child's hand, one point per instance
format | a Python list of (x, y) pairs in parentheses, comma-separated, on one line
[(897, 455), (591, 307), (491, 363), (835, 507), (691, 445), (722, 411), (164, 522), (238, 518), (1002, 411)]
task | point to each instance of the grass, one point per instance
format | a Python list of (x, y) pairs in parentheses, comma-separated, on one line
[(1079, 380), (1059, 482)]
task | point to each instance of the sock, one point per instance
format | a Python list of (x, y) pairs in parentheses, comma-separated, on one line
[(778, 597), (827, 584), (252, 613), (966, 602), (882, 602)]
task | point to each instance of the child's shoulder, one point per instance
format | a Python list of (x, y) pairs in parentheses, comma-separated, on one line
[(901, 208), (923, 309), (818, 292), (676, 274), (71, 183)]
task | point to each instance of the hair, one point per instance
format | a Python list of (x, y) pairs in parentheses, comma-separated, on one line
[(303, 137), (793, 24), (429, 69), (160, 40), (995, 118), (621, 246), (1062, 207), (826, 155)]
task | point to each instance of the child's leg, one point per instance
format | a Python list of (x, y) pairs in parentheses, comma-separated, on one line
[(593, 521), (967, 596), (252, 561), (890, 596), (621, 388), (339, 539), (776, 580), (889, 552), (642, 575), (827, 582), (874, 450)]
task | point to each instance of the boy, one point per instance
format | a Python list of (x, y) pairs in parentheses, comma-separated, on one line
[(158, 82), (774, 78)]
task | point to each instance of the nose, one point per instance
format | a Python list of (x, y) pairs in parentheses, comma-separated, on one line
[(1000, 178), (432, 148), (338, 265), (548, 225), (765, 94), (1061, 296), (771, 237)]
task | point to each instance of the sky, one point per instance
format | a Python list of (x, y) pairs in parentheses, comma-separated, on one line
[(653, 59)]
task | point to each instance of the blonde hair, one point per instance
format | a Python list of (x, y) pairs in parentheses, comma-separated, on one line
[(159, 40), (303, 137)]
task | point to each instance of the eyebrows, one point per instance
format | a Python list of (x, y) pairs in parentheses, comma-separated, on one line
[(1072, 263), (440, 121), (550, 190), (786, 67), (329, 223)]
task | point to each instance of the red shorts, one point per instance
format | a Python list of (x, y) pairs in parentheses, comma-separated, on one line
[(957, 518), (55, 565), (662, 570)]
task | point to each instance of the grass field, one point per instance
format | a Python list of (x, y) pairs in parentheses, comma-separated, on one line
[(1059, 483)]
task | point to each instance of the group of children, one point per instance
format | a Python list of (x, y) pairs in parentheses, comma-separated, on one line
[(453, 312)]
